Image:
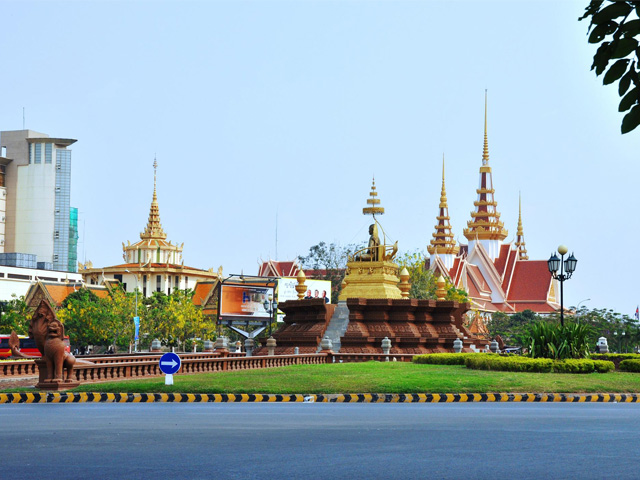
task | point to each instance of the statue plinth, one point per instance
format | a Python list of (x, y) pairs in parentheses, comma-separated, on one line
[(371, 279), (52, 384)]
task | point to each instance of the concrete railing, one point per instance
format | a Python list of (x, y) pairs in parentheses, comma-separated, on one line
[(114, 368)]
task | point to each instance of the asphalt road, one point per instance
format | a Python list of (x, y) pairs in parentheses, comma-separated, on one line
[(317, 441)]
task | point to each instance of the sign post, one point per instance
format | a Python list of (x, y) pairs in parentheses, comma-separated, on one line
[(170, 363), (136, 323)]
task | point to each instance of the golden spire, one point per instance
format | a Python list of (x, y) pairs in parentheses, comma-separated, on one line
[(485, 221), (485, 148), (373, 202), (154, 227), (522, 255), (442, 241)]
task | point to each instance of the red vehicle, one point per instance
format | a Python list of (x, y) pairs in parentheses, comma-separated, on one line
[(27, 346)]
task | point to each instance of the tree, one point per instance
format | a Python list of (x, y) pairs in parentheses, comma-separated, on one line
[(424, 282), (329, 262), (513, 329), (15, 315), (615, 25), (84, 317), (120, 310)]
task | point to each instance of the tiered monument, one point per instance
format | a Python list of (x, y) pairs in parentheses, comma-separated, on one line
[(373, 304)]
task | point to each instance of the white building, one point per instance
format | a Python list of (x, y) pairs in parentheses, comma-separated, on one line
[(37, 217)]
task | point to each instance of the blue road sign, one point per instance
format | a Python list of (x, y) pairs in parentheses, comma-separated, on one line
[(169, 363)]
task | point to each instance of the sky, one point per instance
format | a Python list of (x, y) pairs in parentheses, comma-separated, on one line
[(269, 119)]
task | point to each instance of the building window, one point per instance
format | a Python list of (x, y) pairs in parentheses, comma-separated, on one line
[(38, 155), (30, 153), (177, 282), (186, 282), (118, 278), (158, 283), (48, 148)]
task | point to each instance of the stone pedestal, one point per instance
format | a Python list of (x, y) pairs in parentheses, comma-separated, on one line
[(371, 279), (56, 385)]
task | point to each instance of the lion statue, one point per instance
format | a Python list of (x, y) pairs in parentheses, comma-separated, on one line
[(55, 355)]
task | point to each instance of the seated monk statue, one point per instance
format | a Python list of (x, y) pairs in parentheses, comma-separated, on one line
[(372, 249)]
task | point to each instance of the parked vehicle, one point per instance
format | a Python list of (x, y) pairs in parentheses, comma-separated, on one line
[(27, 346)]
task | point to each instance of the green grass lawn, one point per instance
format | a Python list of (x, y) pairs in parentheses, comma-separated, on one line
[(374, 377)]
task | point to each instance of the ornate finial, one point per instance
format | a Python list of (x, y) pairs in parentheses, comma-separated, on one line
[(522, 250), (443, 241), (485, 149), (441, 291), (373, 209), (154, 227), (404, 284), (301, 287)]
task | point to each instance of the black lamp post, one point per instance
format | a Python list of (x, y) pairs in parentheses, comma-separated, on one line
[(271, 306), (566, 267)]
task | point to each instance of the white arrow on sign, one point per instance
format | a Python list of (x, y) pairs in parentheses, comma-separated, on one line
[(171, 364)]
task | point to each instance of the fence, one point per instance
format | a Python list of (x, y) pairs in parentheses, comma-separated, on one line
[(113, 368)]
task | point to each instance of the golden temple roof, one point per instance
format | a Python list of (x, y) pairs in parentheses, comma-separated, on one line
[(154, 227), (442, 241), (485, 221)]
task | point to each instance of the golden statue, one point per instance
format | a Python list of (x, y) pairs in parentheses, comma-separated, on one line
[(371, 272)]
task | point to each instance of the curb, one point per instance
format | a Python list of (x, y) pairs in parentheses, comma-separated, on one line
[(83, 397)]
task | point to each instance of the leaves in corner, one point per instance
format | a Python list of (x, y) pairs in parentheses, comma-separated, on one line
[(615, 71), (624, 47), (629, 99), (631, 120), (617, 9), (625, 81)]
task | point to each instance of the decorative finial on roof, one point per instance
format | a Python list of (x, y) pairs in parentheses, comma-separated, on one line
[(442, 241), (485, 221), (373, 202), (522, 250), (485, 148), (154, 227)]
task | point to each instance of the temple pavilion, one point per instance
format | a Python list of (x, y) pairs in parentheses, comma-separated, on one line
[(153, 264)]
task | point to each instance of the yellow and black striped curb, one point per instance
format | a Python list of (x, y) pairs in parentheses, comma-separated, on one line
[(72, 397)]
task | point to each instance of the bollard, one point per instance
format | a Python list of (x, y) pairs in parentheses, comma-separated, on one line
[(457, 345), (208, 346), (271, 346), (156, 345), (494, 346), (386, 347), (326, 344), (249, 343), (221, 344), (296, 351)]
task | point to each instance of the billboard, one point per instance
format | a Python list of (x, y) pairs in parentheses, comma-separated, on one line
[(245, 301), (315, 289)]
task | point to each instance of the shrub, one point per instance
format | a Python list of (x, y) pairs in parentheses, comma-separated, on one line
[(630, 365), (549, 340), (615, 356), (444, 358), (538, 365)]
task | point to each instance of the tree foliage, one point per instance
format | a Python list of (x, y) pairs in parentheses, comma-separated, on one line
[(615, 25), (513, 329), (423, 281), (330, 263), (15, 315)]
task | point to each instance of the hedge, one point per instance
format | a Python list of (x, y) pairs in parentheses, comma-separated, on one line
[(615, 356), (445, 358), (537, 365), (631, 365)]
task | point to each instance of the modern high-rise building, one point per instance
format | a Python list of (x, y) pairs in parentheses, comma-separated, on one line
[(38, 218)]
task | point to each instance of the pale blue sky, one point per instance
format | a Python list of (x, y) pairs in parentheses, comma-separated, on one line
[(256, 106)]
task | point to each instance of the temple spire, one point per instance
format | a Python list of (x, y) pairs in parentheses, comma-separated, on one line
[(522, 250), (153, 229), (442, 242), (485, 148), (485, 224)]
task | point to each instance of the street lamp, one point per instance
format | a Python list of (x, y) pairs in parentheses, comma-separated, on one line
[(271, 306), (135, 318), (566, 267), (578, 307)]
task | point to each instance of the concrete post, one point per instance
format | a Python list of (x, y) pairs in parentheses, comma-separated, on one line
[(326, 344), (296, 351), (249, 343), (494, 346), (603, 347), (386, 346), (208, 346), (156, 345), (271, 346), (457, 345)]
